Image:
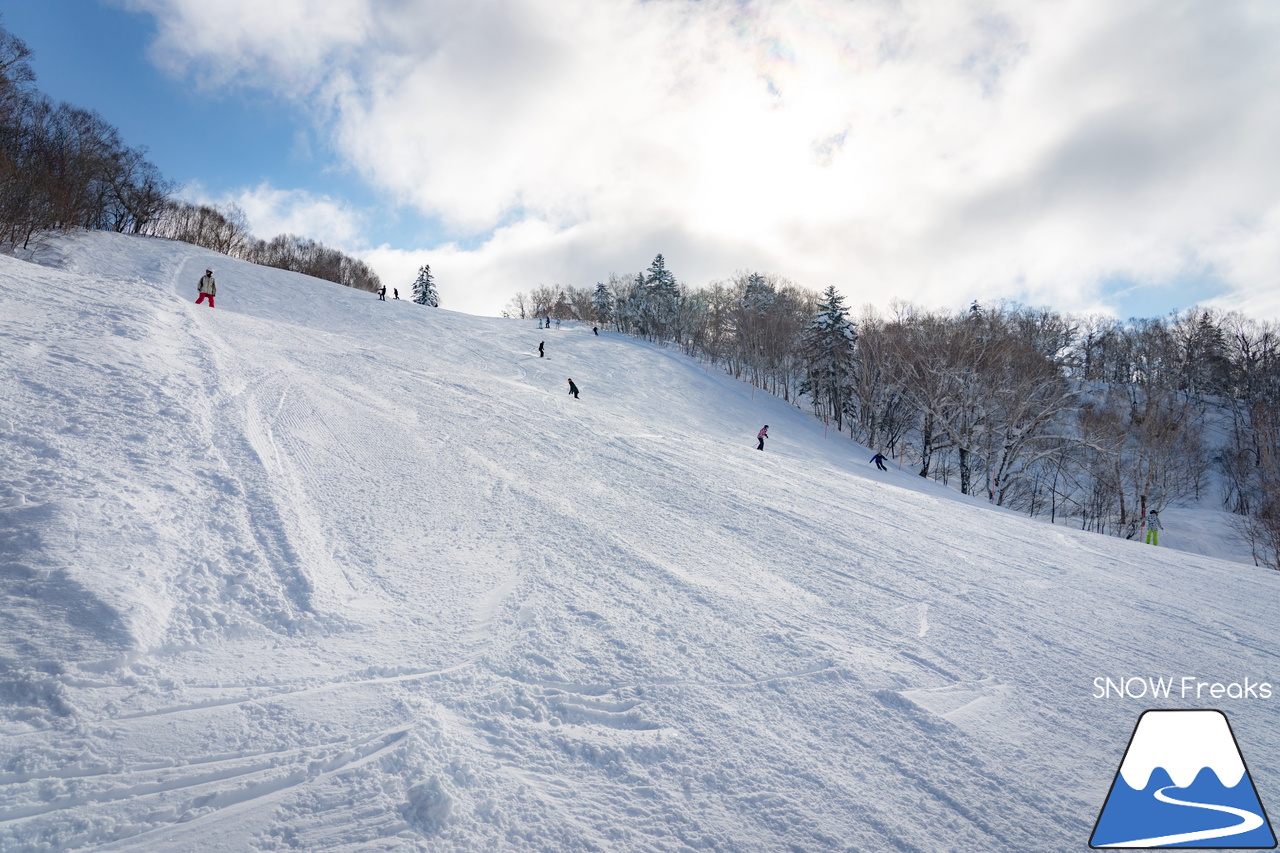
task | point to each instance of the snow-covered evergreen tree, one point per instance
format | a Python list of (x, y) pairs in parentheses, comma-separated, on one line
[(659, 279), (661, 300), (602, 303), (759, 294), (827, 348), (424, 289)]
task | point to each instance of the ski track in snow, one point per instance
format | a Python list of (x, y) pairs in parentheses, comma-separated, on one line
[(313, 571)]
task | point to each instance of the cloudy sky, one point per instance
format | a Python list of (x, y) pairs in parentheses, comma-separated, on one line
[(1088, 155)]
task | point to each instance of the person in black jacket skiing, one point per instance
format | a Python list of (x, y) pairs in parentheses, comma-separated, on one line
[(541, 354), (573, 389), (382, 293)]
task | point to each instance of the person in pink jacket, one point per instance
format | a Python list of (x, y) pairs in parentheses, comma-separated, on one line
[(762, 435)]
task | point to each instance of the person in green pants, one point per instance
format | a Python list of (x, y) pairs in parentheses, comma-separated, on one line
[(1153, 527)]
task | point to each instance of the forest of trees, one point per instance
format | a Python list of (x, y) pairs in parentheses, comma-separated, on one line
[(1085, 420), (62, 168)]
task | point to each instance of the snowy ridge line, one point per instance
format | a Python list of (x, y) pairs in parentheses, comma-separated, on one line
[(343, 754)]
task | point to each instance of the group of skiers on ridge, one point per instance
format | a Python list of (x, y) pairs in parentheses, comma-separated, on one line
[(208, 288)]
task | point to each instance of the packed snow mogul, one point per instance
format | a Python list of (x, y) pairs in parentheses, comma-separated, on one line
[(762, 435), (207, 288), (573, 389), (879, 460), (1153, 527)]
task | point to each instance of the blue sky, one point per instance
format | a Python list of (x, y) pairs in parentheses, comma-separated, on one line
[(218, 141), (1081, 155)]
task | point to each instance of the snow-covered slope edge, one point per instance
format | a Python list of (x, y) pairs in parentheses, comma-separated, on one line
[(310, 570)]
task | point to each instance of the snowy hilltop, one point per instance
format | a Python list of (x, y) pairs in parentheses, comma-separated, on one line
[(310, 570)]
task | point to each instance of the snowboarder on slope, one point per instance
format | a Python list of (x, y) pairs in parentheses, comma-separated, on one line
[(879, 460), (762, 435), (395, 291), (541, 354), (207, 288), (1153, 527), (382, 293), (595, 331), (573, 389)]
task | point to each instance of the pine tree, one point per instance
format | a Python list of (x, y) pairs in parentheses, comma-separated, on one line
[(602, 303), (827, 349), (759, 295), (659, 279), (661, 300), (424, 289)]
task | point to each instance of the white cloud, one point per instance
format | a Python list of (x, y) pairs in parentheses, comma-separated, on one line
[(273, 211), (928, 150)]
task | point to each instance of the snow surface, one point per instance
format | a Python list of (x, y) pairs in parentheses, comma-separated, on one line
[(314, 571)]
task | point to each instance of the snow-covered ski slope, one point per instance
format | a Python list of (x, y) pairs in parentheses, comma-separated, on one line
[(313, 571)]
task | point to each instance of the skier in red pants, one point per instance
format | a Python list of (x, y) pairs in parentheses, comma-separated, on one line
[(208, 288)]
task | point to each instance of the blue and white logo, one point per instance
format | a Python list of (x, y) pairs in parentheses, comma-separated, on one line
[(1183, 783)]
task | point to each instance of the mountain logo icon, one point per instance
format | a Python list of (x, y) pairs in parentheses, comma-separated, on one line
[(1183, 783)]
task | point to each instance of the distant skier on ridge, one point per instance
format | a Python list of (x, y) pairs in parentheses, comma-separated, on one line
[(207, 288), (762, 435)]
